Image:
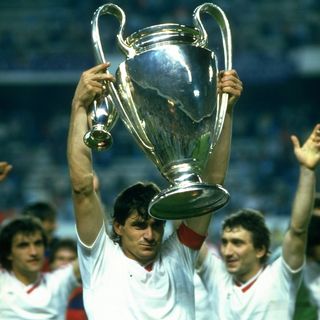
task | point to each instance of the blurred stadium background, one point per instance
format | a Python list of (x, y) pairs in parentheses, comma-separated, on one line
[(46, 44)]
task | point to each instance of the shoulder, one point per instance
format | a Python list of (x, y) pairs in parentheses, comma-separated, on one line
[(102, 240), (5, 275), (280, 273), (281, 264), (62, 274)]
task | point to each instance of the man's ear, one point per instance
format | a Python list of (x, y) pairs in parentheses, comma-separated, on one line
[(260, 252), (117, 227)]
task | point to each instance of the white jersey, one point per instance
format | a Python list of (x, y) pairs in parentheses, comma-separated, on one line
[(270, 295), (45, 299), (312, 282), (202, 302), (116, 287)]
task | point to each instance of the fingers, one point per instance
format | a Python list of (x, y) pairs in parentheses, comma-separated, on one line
[(316, 133), (95, 80), (295, 141), (99, 68), (229, 82)]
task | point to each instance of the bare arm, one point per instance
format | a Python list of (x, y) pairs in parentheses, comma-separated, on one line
[(87, 205), (5, 168), (295, 238), (218, 161)]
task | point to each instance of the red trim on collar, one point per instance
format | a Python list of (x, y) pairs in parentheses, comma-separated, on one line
[(149, 267), (247, 287), (190, 238), (36, 284), (250, 284)]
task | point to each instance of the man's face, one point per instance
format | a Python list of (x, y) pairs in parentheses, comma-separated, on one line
[(140, 239), (242, 260), (63, 257), (27, 253)]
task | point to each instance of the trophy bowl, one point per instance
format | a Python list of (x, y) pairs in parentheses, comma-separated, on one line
[(166, 95)]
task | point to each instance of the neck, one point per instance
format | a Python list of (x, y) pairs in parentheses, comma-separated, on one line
[(27, 277), (243, 278)]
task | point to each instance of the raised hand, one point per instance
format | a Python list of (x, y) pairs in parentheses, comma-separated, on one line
[(91, 84), (308, 155), (229, 82)]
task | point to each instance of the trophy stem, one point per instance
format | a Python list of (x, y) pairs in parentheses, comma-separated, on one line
[(182, 172)]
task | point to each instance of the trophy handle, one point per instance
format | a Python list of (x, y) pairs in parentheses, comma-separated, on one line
[(104, 114), (116, 11), (223, 23)]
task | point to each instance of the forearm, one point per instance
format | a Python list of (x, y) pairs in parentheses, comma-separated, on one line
[(296, 237), (200, 224), (79, 155), (218, 162), (87, 205), (303, 201)]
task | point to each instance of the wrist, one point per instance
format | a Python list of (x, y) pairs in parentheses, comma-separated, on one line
[(306, 170)]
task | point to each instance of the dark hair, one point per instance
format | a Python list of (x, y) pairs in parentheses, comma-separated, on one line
[(65, 243), (254, 222), (313, 234), (136, 197), (23, 225), (42, 210)]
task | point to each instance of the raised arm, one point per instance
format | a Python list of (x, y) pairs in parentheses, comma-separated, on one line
[(5, 168), (87, 205), (218, 161), (308, 157)]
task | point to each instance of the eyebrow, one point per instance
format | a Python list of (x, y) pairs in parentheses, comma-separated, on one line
[(26, 242)]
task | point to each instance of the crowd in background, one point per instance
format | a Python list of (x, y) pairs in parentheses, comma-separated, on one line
[(33, 124), (266, 33)]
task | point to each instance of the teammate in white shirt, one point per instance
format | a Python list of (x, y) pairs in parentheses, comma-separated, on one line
[(242, 285), (25, 292), (135, 275), (308, 300)]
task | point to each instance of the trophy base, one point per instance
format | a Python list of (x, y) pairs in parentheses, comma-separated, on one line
[(189, 201), (96, 142)]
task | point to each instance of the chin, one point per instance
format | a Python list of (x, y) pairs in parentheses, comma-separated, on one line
[(232, 271)]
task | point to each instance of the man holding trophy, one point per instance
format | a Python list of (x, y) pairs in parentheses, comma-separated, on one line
[(176, 103), (135, 275)]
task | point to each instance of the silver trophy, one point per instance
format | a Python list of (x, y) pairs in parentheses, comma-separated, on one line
[(166, 95)]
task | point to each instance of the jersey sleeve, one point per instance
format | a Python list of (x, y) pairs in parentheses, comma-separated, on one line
[(183, 246), (93, 258), (63, 281), (288, 273), (211, 271)]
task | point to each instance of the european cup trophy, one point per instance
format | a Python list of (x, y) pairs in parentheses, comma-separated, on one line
[(166, 95)]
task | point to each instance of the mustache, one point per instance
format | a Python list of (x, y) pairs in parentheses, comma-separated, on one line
[(148, 242)]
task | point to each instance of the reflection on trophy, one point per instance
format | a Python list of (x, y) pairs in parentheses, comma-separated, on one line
[(166, 95)]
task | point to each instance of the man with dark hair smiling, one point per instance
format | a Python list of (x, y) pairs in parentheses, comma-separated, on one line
[(243, 285)]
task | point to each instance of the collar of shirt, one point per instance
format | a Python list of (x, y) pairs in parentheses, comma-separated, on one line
[(248, 284)]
